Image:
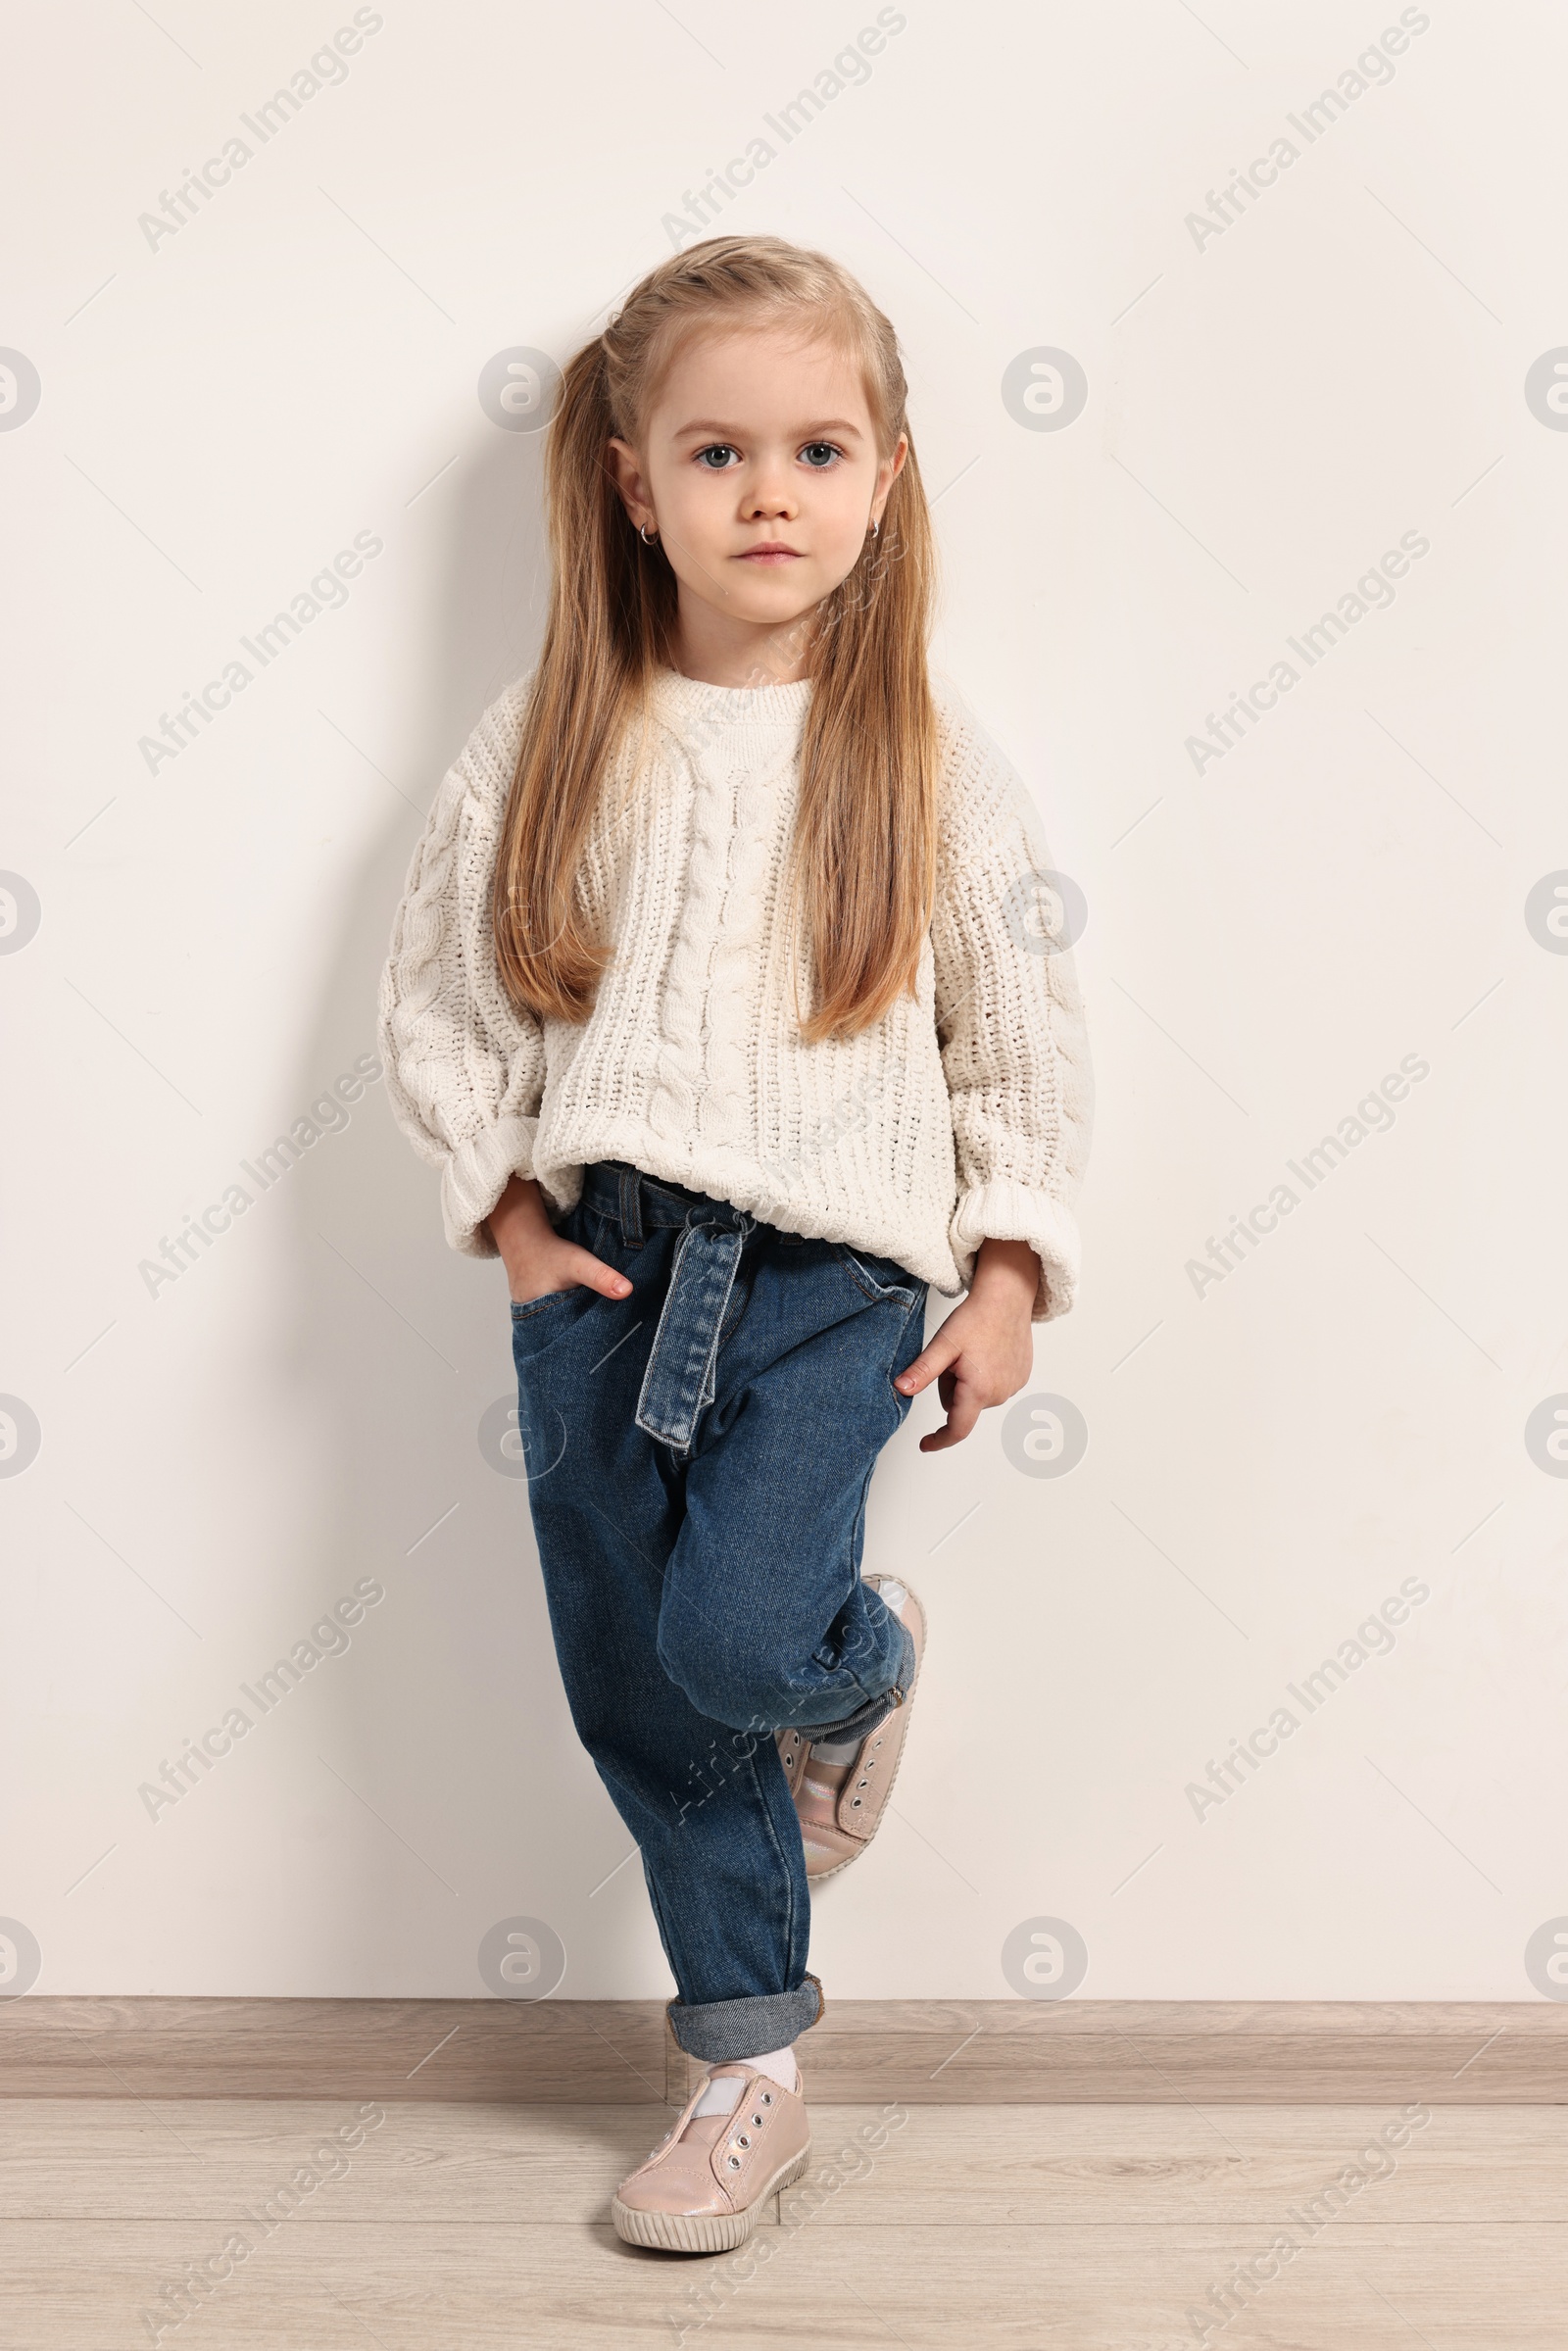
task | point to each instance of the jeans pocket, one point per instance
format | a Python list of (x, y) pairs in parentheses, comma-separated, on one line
[(525, 1309), (878, 1277), (537, 1323)]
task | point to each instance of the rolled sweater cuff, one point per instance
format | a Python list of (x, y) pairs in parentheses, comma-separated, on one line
[(477, 1175), (1007, 1210)]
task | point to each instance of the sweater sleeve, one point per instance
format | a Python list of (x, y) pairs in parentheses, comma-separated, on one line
[(464, 1066), (1009, 1019)]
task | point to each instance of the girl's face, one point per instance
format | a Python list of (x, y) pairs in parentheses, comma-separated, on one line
[(759, 469)]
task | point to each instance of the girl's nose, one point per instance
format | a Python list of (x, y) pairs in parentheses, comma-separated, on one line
[(770, 497)]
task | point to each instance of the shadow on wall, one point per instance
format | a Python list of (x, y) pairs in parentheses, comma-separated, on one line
[(453, 1716)]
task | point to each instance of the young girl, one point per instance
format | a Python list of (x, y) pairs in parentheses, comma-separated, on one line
[(719, 994)]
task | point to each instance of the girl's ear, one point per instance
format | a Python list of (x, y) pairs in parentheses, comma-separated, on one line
[(887, 473), (629, 480)]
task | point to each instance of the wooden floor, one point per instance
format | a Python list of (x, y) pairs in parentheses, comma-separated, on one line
[(1035, 2228)]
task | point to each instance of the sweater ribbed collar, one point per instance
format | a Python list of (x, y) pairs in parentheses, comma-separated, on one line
[(685, 702)]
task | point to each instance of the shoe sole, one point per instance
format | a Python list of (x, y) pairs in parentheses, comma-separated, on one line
[(816, 1877), (702, 2232)]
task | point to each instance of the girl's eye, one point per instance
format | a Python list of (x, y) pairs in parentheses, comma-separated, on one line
[(719, 450), (819, 455)]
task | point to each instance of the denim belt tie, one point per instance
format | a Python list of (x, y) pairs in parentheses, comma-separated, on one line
[(679, 1380)]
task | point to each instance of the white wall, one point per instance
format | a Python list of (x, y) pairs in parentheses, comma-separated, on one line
[(1268, 411)]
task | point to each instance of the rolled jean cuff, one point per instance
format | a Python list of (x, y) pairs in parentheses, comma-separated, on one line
[(866, 1718), (719, 2031)]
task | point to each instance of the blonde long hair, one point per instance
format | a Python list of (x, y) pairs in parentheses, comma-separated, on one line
[(864, 854)]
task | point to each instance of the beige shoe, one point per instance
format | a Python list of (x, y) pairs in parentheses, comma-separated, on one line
[(703, 2186), (840, 1805)]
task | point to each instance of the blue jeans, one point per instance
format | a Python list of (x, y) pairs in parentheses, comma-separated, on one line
[(698, 1453)]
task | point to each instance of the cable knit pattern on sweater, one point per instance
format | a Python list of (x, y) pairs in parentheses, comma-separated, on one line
[(963, 1113)]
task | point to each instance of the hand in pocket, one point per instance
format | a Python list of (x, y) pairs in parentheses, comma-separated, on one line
[(538, 1259)]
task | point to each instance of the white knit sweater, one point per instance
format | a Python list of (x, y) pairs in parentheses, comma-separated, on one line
[(961, 1114)]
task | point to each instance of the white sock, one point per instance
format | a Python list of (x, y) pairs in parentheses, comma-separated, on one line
[(780, 2066), (721, 2091)]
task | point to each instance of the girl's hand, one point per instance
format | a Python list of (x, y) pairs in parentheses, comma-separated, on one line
[(536, 1257), (984, 1351)]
